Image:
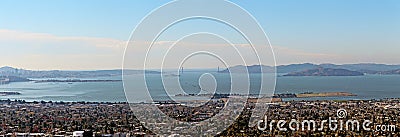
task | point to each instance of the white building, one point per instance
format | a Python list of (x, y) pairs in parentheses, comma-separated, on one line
[(78, 133)]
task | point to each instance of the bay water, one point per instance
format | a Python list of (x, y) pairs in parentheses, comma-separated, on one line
[(365, 87)]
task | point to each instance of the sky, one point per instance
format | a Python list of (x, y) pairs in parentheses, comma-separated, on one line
[(92, 34)]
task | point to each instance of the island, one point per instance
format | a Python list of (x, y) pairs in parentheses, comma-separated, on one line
[(325, 72), (324, 94)]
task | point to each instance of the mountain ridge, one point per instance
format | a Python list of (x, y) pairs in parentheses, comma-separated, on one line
[(325, 72), (368, 68), (10, 71)]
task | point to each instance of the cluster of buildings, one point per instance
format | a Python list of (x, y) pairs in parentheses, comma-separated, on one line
[(4, 81), (379, 112), (67, 119), (19, 118)]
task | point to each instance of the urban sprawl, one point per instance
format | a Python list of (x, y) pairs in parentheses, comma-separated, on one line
[(20, 118)]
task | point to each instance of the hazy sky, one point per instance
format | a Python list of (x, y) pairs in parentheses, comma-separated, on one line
[(91, 34)]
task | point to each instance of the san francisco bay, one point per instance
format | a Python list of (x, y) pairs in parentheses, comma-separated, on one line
[(364, 87)]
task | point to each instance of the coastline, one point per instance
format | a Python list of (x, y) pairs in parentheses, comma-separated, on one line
[(250, 100), (324, 94)]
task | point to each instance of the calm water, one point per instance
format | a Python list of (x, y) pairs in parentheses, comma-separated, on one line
[(365, 87)]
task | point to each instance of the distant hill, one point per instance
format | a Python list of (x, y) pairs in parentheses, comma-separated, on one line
[(295, 67), (390, 72), (362, 67), (326, 72), (368, 68), (250, 69), (9, 71)]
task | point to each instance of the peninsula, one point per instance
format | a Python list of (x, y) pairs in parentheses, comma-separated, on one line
[(324, 94)]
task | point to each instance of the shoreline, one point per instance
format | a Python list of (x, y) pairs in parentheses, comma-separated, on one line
[(324, 94), (2, 101), (282, 95)]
